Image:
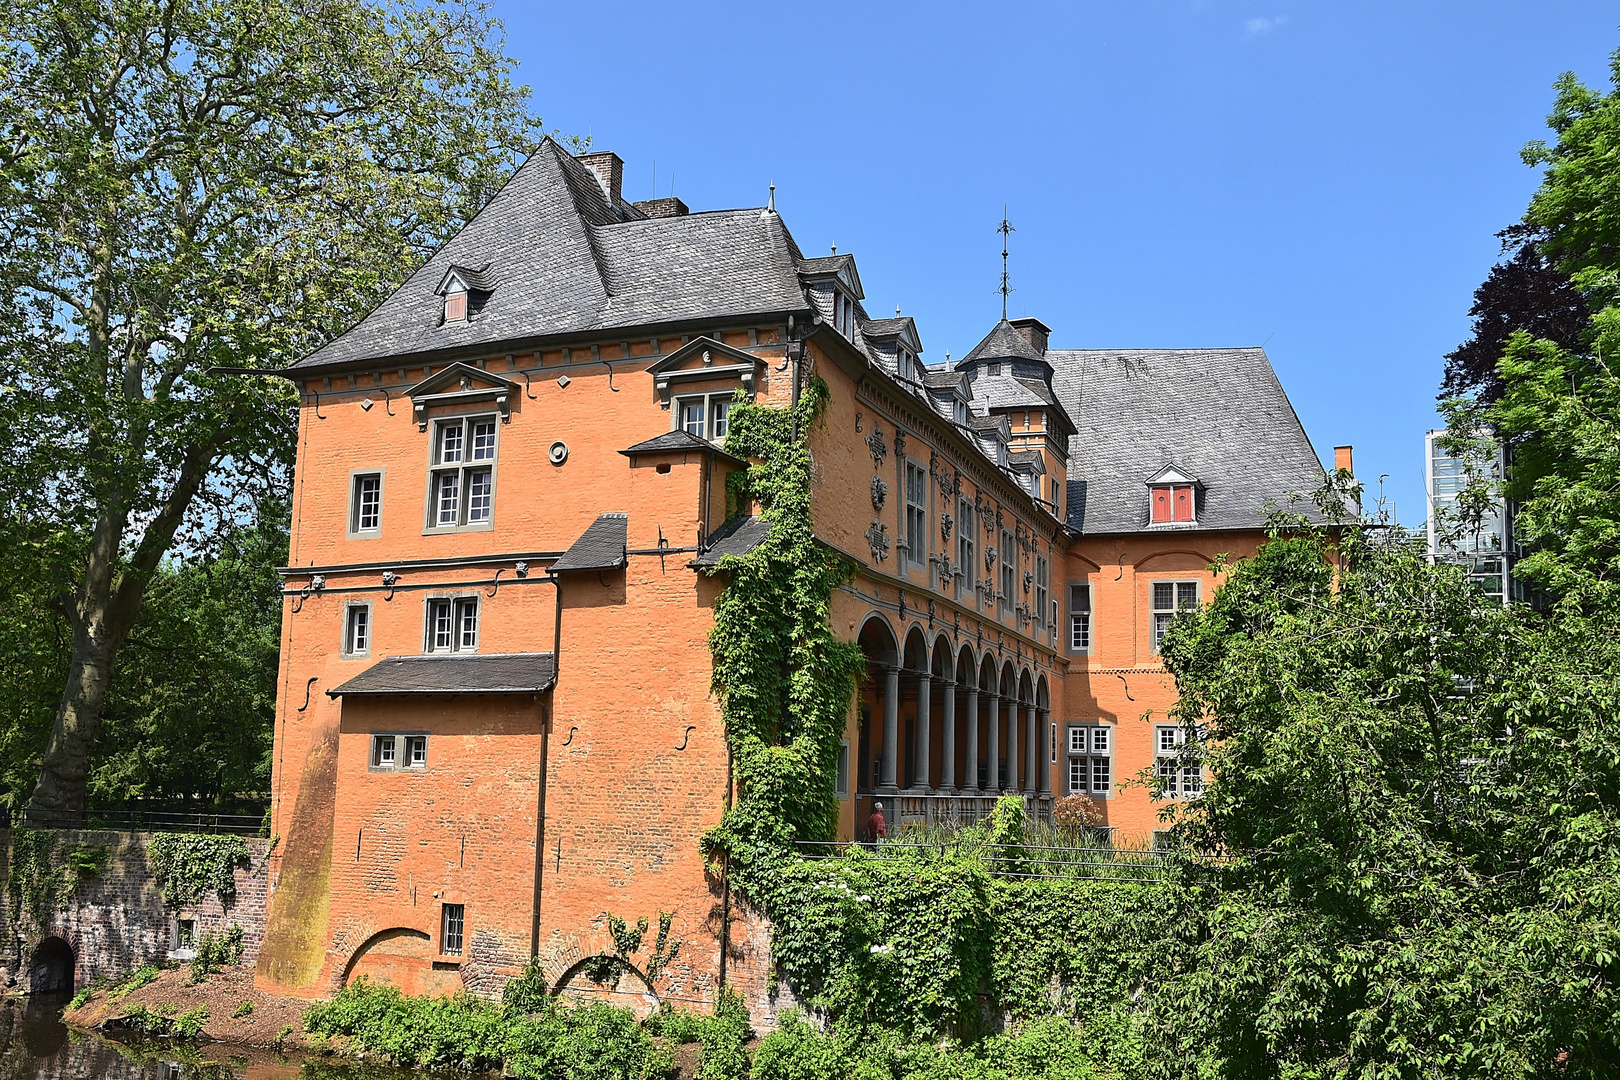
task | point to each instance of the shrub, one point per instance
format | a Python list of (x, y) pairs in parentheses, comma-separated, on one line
[(244, 1009), (82, 998), (136, 979), (217, 951), (722, 1037), (189, 1024), (676, 1025)]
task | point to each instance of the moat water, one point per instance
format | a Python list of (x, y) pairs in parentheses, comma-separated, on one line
[(36, 1045)]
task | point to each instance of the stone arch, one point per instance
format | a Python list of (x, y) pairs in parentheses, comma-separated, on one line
[(649, 995), (915, 656), (943, 664), (877, 640), (1043, 694), (1009, 680), (1026, 687), (965, 666), (50, 967), (401, 956)]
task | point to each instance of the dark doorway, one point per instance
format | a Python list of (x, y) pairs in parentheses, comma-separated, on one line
[(50, 970)]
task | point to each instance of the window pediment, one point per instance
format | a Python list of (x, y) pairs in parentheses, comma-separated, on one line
[(703, 358), (461, 384)]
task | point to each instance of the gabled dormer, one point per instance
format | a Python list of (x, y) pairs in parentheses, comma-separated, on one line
[(464, 290), (897, 347), (699, 381), (461, 384), (1173, 497), (950, 393), (835, 289)]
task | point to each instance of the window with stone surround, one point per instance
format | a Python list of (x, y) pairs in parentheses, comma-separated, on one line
[(1091, 759), (1009, 570), (965, 532), (452, 624), (1171, 598), (357, 630), (461, 490), (365, 504), (916, 513), (1176, 767), (1080, 617)]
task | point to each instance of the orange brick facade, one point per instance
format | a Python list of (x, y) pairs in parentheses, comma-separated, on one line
[(535, 811)]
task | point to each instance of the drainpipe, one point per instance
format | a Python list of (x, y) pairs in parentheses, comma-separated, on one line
[(545, 758)]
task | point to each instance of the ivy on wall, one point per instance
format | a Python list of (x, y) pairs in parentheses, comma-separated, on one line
[(783, 680), (42, 873), (187, 866)]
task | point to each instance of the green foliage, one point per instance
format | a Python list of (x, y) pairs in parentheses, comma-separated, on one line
[(244, 1009), (676, 1025), (588, 1042), (187, 865), (33, 879), (1047, 1050), (783, 679), (528, 993), (82, 998), (136, 979), (189, 1024), (722, 1037), (216, 952)]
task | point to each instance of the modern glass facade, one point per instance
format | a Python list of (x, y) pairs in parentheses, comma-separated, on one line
[(1485, 549)]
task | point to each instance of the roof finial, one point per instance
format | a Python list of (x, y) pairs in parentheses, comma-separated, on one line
[(773, 197), (897, 311), (1004, 229), (835, 247)]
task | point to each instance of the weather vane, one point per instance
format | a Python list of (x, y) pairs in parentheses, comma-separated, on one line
[(1005, 228)]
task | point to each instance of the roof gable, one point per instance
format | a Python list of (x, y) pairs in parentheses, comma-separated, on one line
[(1171, 474), (703, 358), (1003, 342), (461, 384), (841, 267)]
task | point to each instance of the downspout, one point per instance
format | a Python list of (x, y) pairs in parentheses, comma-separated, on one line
[(545, 759)]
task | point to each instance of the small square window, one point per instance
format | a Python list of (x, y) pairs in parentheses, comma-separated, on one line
[(452, 625), (453, 925), (416, 751), (357, 631), (383, 750)]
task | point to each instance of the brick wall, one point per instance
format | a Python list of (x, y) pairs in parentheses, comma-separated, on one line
[(116, 921)]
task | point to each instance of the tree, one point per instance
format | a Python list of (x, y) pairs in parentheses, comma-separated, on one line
[(1523, 291), (199, 183), (1411, 788)]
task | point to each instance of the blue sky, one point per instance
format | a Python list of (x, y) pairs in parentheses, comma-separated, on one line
[(1323, 179)]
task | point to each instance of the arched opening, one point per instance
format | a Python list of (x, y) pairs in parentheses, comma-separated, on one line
[(403, 957), (1004, 736), (612, 978), (877, 712), (50, 968), (1048, 739), (1029, 758)]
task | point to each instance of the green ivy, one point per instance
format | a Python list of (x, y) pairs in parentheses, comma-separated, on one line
[(187, 866), (783, 679), (44, 873)]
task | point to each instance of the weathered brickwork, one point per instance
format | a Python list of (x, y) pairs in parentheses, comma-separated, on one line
[(116, 920)]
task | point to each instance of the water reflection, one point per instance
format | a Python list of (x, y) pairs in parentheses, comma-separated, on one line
[(36, 1045)]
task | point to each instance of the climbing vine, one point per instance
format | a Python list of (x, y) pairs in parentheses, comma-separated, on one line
[(784, 681), (187, 866), (42, 874), (627, 940)]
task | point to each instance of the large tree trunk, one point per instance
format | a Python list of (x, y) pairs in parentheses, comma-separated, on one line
[(66, 767)]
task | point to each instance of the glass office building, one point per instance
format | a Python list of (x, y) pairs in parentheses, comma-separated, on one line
[(1485, 550)]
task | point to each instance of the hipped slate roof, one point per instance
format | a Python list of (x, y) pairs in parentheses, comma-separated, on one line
[(676, 442), (1219, 414), (600, 547), (738, 538), (1003, 342), (460, 673), (569, 262)]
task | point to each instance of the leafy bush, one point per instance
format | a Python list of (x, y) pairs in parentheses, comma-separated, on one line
[(722, 1037), (136, 979), (82, 998), (217, 951), (676, 1025), (244, 1009), (189, 1024)]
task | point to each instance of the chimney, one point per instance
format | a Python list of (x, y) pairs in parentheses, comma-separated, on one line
[(609, 169), (669, 207), (1342, 461), (1035, 332)]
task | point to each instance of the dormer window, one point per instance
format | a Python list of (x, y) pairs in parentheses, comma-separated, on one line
[(1172, 497), (843, 315), (455, 306)]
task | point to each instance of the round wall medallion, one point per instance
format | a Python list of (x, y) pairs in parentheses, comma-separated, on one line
[(558, 453)]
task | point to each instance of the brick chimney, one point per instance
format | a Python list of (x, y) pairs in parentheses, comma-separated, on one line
[(609, 169), (666, 207), (1342, 460), (1035, 332)]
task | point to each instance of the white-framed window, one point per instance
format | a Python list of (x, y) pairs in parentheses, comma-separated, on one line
[(916, 513), (1043, 583), (365, 503), (393, 750), (452, 624), (1171, 598), (452, 927), (1080, 617), (842, 781), (182, 939), (707, 417), (357, 630), (965, 533), (1009, 570), (1091, 759), (462, 490), (1182, 777)]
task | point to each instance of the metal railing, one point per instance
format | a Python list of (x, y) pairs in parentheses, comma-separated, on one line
[(198, 821), (1093, 862)]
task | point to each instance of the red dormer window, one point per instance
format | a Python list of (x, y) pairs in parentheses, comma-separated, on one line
[(1173, 502)]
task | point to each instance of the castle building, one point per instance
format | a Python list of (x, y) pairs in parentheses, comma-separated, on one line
[(495, 725)]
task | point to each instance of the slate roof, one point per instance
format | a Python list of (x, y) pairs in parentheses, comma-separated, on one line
[(1002, 342), (456, 673), (569, 262), (600, 547), (675, 442), (1219, 414), (738, 538)]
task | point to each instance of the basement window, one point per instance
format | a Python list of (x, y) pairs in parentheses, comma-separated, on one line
[(182, 939)]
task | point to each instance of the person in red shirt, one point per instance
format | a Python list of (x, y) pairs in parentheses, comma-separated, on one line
[(876, 828)]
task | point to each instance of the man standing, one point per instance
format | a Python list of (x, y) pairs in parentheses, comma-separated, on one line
[(876, 828)]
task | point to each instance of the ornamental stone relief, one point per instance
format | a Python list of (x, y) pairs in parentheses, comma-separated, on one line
[(945, 523), (880, 492), (878, 536), (877, 447)]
